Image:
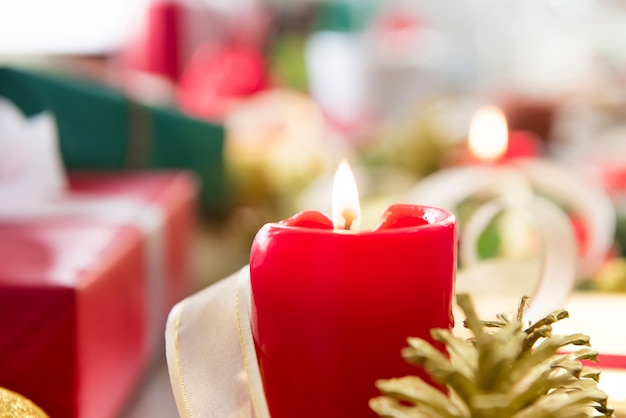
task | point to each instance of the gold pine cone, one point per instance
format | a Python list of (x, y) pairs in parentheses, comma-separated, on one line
[(506, 370)]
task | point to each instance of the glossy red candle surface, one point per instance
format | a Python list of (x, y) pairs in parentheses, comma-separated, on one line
[(331, 310)]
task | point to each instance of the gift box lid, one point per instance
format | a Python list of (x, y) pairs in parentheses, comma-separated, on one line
[(57, 254)]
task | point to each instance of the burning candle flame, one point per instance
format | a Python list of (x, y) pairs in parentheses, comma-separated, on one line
[(488, 136), (346, 207)]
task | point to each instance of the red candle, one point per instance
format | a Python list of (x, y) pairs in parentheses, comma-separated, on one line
[(490, 140), (332, 307)]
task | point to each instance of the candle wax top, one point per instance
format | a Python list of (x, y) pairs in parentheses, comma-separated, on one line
[(396, 217)]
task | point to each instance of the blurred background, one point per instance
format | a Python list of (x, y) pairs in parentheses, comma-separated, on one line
[(298, 85), (259, 100)]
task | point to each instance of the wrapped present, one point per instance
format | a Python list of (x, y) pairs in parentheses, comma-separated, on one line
[(91, 265), (167, 213), (87, 285), (73, 315), (101, 129), (170, 31)]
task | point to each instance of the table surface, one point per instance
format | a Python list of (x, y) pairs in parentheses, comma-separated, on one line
[(154, 398)]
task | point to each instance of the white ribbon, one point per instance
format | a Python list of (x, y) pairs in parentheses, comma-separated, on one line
[(449, 187), (210, 353), (522, 184), (558, 250), (587, 200)]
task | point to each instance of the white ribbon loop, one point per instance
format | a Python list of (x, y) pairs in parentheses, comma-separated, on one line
[(588, 201), (558, 250)]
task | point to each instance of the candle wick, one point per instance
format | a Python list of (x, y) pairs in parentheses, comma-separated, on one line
[(349, 215)]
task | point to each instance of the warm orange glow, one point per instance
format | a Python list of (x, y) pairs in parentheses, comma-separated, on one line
[(346, 207), (489, 135)]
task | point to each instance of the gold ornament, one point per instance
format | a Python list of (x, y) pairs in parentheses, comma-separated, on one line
[(505, 370), (14, 405)]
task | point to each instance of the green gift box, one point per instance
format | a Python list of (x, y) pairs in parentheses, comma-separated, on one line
[(102, 129)]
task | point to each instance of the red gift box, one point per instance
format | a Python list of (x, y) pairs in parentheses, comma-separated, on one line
[(175, 193), (80, 297)]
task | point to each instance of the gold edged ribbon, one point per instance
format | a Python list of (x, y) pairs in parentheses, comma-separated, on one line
[(250, 361), (172, 353), (210, 353)]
